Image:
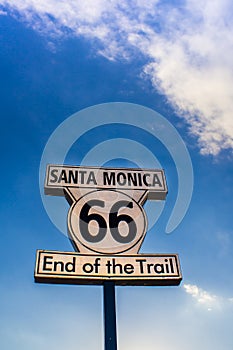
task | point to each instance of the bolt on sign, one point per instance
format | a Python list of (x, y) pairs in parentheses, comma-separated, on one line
[(106, 225)]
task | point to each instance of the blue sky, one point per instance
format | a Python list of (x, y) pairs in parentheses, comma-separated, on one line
[(57, 58)]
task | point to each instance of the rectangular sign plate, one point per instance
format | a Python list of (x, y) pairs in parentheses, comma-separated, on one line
[(59, 177), (75, 268)]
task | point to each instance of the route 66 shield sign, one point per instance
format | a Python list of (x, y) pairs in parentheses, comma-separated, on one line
[(106, 213)]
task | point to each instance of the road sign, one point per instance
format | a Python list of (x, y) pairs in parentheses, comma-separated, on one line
[(106, 214), (106, 224), (74, 268)]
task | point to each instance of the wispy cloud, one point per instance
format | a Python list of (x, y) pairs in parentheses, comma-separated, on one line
[(188, 46), (224, 243), (207, 299)]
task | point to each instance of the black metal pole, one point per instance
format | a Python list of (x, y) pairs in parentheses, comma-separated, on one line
[(110, 332)]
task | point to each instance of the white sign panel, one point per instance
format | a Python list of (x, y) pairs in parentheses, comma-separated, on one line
[(59, 177), (74, 268)]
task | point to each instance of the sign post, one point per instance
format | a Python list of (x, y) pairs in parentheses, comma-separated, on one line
[(107, 225), (110, 328)]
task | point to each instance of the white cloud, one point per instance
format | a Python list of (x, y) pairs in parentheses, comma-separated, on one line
[(200, 295), (206, 299), (224, 243), (189, 49)]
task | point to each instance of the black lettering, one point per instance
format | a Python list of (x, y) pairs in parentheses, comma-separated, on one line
[(156, 181), (91, 178), (139, 179), (62, 176), (132, 179), (129, 268), (109, 179), (120, 181), (56, 264), (141, 261), (114, 266), (54, 175), (171, 265), (149, 267), (159, 268), (167, 266), (96, 265), (70, 266), (45, 263), (88, 268), (82, 173), (145, 180), (73, 176), (109, 265)]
